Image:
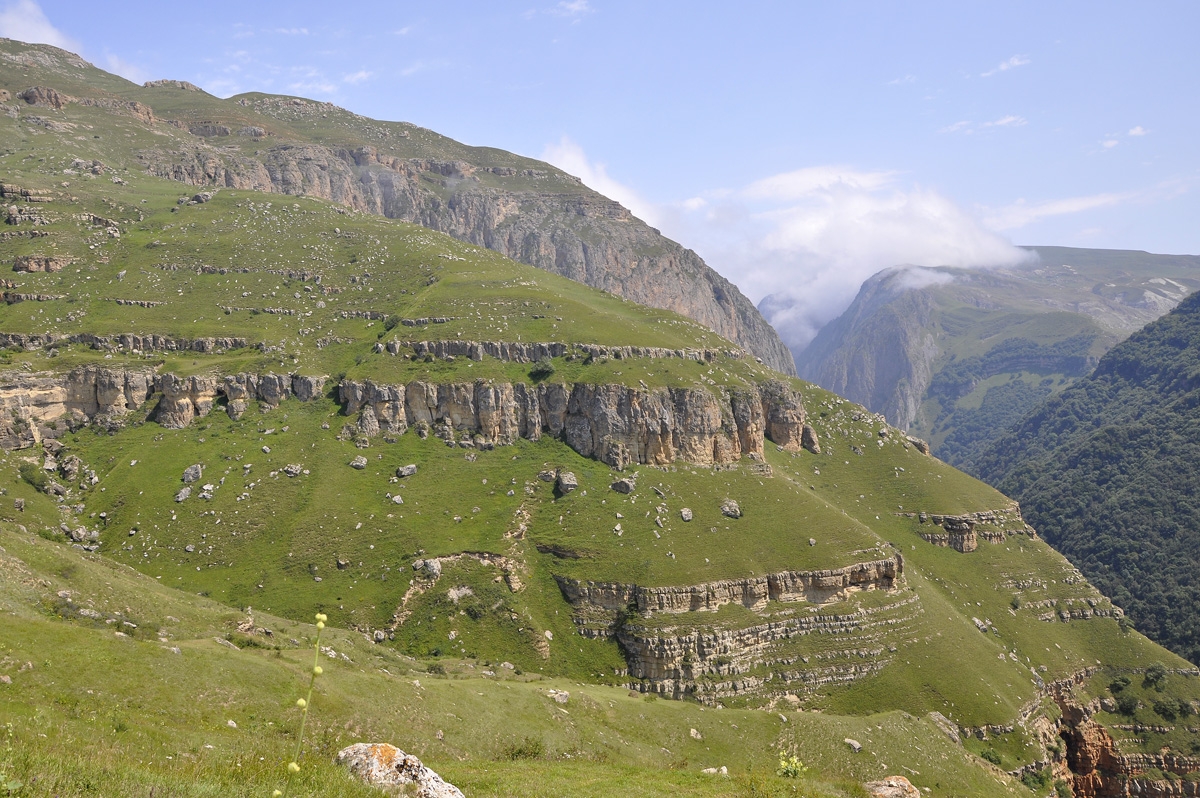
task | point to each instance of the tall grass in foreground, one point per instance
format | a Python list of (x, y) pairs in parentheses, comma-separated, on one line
[(294, 766)]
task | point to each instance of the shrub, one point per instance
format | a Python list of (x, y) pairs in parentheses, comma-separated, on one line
[(1127, 703), (1062, 789), (528, 748), (33, 475), (1156, 676), (542, 369), (1166, 708), (1118, 684), (991, 755), (1037, 780), (390, 323)]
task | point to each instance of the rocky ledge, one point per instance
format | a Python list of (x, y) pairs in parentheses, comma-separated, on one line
[(616, 424)]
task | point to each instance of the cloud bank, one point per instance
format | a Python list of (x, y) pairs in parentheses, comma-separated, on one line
[(805, 240), (23, 20)]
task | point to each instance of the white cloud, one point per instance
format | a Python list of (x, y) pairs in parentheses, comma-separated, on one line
[(125, 69), (1138, 131), (358, 77), (570, 157), (902, 81), (968, 127), (1108, 144), (807, 239), (1007, 121), (1019, 214), (402, 31), (291, 31), (1004, 66), (24, 21), (571, 8)]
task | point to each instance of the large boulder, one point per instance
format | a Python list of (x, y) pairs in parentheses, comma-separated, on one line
[(383, 765), (892, 787)]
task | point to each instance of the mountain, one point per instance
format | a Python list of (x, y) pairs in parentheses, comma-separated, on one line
[(565, 543), (953, 355), (1107, 468), (525, 209)]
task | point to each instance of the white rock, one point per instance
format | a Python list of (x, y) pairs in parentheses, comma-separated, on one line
[(384, 765)]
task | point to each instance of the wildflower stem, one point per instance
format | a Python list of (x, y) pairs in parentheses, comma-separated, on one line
[(293, 765)]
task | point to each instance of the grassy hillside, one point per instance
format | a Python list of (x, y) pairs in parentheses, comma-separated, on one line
[(137, 614)]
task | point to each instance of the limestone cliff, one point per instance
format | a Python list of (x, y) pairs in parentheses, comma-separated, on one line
[(615, 424)]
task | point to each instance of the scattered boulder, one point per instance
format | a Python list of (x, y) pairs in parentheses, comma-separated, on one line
[(809, 440), (432, 567), (855, 745), (182, 495), (40, 263), (559, 696), (293, 469), (892, 787), (624, 485), (686, 513), (406, 471), (359, 462), (384, 765), (730, 509), (721, 771), (918, 444), (189, 548), (547, 475), (566, 482), (193, 473), (695, 734)]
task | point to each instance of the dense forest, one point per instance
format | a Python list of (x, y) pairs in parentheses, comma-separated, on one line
[(1108, 472)]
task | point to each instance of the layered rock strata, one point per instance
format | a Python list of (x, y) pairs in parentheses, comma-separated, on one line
[(963, 532), (598, 599), (616, 424), (132, 342), (517, 352)]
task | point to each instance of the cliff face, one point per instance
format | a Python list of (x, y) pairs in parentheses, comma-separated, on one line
[(537, 216), (615, 424), (692, 657), (880, 352)]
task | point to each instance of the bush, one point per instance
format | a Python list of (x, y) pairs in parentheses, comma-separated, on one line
[(1038, 780), (390, 323), (1062, 789), (1166, 708), (1156, 676), (529, 748), (1118, 684), (542, 369), (991, 755), (33, 475), (1127, 703)]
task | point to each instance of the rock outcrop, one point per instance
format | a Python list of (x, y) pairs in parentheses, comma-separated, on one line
[(29, 403), (386, 766), (688, 655), (39, 406), (616, 424), (963, 532)]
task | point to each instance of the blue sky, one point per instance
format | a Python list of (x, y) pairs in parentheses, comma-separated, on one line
[(798, 147)]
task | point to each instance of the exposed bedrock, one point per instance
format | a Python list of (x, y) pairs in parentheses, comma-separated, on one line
[(616, 424), (689, 655)]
